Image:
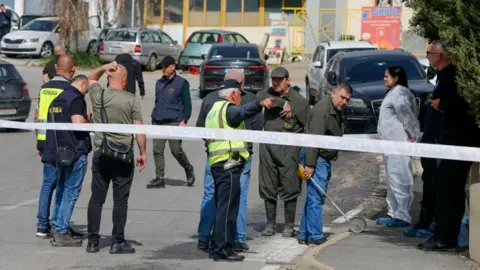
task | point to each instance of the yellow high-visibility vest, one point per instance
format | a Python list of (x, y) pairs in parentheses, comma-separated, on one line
[(45, 98), (218, 150)]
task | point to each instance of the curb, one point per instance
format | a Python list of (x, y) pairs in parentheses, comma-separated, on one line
[(308, 261)]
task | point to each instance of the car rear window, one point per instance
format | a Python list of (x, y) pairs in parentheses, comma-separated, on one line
[(204, 37), (332, 52), (126, 36), (234, 52), (373, 70), (9, 72)]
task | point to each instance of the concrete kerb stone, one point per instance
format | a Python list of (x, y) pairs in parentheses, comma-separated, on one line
[(308, 261)]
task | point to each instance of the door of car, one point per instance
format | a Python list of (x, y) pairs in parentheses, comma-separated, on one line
[(317, 68), (333, 68), (160, 48), (173, 50), (14, 20), (146, 41), (325, 86)]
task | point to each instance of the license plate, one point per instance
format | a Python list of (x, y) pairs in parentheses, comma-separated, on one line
[(8, 111), (12, 46), (227, 69)]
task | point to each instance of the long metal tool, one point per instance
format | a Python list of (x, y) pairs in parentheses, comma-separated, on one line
[(356, 224)]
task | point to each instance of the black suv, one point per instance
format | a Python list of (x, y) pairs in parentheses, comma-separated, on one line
[(364, 71)]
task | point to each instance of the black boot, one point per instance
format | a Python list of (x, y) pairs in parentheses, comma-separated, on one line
[(290, 210), (271, 210), (156, 183), (190, 175)]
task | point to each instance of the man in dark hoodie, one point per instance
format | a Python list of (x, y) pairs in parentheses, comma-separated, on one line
[(134, 72)]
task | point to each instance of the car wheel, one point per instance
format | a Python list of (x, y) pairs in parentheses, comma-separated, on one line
[(152, 63), (46, 50), (92, 47)]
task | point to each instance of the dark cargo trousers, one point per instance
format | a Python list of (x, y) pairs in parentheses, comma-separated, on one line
[(175, 148), (279, 180)]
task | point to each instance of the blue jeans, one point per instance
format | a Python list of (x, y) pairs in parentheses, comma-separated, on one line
[(207, 208), (69, 185), (311, 225), (46, 193)]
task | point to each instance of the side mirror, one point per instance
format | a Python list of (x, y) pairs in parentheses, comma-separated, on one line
[(296, 88), (318, 64), (204, 57), (431, 72), (175, 42), (15, 27), (266, 57), (332, 78)]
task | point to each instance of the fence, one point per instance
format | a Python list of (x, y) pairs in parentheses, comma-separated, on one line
[(313, 26)]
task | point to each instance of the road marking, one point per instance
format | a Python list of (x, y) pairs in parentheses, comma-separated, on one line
[(349, 215), (11, 207)]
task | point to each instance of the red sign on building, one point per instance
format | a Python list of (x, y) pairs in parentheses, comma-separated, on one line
[(382, 26)]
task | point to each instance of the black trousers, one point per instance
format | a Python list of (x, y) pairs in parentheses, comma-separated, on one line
[(450, 184), (428, 203), (105, 170), (227, 200)]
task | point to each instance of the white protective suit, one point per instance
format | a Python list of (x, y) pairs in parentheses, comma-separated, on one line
[(397, 122)]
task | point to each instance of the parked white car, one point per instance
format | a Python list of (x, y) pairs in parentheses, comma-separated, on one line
[(39, 36), (426, 64), (323, 53)]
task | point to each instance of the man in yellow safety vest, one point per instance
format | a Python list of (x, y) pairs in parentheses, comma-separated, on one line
[(227, 159), (49, 91)]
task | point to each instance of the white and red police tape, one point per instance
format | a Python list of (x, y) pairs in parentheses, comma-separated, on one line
[(359, 143)]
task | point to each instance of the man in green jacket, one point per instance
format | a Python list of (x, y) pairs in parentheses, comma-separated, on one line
[(325, 119)]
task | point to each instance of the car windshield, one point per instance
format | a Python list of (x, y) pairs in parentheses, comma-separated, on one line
[(40, 25), (332, 52), (122, 36), (232, 52), (373, 70), (9, 72), (26, 19)]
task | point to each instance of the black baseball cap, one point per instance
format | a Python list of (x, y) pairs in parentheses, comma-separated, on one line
[(279, 72), (231, 83), (167, 61)]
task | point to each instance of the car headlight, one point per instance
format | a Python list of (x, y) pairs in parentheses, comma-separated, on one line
[(356, 102), (34, 39)]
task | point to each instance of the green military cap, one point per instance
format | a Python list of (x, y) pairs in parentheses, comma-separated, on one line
[(279, 72)]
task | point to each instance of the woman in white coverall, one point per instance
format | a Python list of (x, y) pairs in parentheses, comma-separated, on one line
[(398, 121)]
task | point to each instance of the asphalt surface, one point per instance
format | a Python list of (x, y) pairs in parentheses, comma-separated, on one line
[(162, 224)]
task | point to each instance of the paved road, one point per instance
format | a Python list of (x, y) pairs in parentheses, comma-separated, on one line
[(162, 224)]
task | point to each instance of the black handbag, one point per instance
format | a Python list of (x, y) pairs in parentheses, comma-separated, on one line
[(65, 154), (119, 152)]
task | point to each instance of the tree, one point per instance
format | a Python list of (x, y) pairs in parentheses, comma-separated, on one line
[(74, 16), (455, 22)]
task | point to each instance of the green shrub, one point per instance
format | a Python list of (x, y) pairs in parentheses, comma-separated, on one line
[(82, 60)]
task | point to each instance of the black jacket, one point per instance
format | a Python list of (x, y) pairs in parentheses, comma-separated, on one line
[(134, 72), (457, 126)]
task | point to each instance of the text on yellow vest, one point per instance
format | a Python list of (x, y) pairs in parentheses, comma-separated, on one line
[(219, 150), (47, 95)]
